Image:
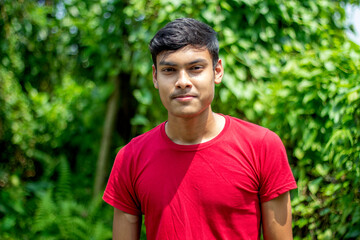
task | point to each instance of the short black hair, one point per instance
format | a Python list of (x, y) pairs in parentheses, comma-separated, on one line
[(183, 32)]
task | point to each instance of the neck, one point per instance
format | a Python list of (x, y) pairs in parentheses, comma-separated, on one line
[(194, 130)]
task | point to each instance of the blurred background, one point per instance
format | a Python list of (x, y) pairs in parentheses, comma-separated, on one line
[(75, 86)]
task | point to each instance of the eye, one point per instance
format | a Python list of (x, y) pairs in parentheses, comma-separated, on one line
[(168, 69), (197, 68)]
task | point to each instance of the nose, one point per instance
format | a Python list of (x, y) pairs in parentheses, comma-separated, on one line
[(183, 80)]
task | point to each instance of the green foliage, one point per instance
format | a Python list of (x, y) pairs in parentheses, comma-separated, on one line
[(60, 216), (319, 94), (288, 66)]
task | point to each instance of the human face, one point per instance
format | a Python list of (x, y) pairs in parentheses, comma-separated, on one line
[(185, 79)]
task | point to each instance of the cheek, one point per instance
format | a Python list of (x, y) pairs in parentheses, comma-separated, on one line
[(207, 87), (164, 95)]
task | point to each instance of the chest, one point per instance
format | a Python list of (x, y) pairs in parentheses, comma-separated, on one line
[(194, 181)]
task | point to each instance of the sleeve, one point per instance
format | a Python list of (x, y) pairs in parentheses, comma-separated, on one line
[(276, 177), (119, 191)]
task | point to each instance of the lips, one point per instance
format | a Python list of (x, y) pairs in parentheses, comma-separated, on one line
[(182, 96)]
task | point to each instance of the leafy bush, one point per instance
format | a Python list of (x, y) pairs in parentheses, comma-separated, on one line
[(58, 215), (288, 67), (313, 103)]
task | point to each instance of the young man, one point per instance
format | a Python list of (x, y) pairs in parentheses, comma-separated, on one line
[(199, 175)]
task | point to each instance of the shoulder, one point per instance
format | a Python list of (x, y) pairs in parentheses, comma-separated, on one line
[(252, 133), (148, 137), (131, 153), (247, 129)]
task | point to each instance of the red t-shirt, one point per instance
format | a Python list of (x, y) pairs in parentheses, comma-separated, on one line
[(211, 190)]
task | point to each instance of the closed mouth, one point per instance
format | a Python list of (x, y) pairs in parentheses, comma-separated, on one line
[(184, 96), (174, 96)]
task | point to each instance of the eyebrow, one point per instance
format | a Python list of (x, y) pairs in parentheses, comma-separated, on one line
[(199, 60)]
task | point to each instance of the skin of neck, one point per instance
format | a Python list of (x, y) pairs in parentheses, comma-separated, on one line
[(196, 129)]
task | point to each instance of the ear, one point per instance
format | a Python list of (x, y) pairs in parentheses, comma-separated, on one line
[(219, 72), (154, 74)]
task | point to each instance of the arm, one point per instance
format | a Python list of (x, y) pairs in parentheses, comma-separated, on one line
[(126, 226), (276, 218)]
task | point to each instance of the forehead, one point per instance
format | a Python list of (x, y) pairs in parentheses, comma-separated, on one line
[(183, 55)]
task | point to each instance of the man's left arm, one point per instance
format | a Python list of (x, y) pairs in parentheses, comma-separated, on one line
[(276, 218)]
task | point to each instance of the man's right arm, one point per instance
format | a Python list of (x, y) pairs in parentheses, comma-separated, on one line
[(126, 226)]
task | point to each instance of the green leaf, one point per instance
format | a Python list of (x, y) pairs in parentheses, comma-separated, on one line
[(315, 185)]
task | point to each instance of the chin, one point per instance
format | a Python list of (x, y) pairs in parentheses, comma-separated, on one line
[(187, 114)]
